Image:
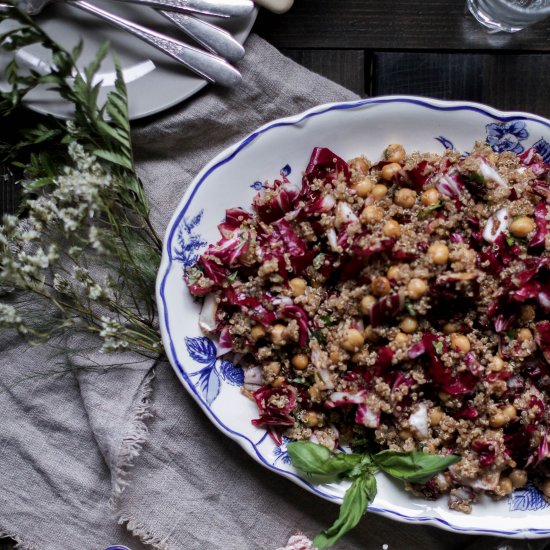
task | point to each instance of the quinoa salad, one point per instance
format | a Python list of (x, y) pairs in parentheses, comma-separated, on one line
[(398, 304)]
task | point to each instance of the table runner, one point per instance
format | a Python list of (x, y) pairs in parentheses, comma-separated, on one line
[(94, 455)]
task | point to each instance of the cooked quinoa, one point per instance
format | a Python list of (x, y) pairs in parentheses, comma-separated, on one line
[(401, 304)]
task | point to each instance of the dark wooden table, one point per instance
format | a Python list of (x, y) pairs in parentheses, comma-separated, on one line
[(429, 48), (422, 48)]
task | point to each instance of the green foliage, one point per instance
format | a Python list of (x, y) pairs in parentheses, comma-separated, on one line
[(124, 243)]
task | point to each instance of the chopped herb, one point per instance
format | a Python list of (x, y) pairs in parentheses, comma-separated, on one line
[(511, 334), (425, 212), (327, 319), (300, 380), (233, 276), (438, 346), (319, 336), (510, 240), (318, 261), (410, 308), (477, 177)]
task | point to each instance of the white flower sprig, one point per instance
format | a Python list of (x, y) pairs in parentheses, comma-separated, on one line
[(73, 218)]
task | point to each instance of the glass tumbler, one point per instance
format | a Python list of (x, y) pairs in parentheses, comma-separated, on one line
[(509, 15)]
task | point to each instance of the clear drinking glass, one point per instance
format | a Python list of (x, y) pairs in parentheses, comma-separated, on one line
[(509, 15)]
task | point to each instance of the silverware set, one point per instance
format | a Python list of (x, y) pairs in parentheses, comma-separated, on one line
[(213, 64)]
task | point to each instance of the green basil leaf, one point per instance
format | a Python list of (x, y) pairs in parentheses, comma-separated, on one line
[(415, 466), (317, 459), (360, 494)]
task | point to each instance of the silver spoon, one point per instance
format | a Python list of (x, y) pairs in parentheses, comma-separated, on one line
[(211, 67), (220, 8), (209, 36)]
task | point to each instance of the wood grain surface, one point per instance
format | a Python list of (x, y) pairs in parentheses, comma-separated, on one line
[(505, 81), (391, 25)]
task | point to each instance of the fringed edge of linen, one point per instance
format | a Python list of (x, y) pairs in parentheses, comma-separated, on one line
[(140, 531), (133, 442)]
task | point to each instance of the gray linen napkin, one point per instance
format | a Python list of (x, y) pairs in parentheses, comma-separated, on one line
[(130, 435)]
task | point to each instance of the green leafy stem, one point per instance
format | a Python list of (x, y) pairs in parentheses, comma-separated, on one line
[(414, 467)]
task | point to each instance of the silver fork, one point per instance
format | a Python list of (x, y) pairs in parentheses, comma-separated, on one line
[(209, 66)]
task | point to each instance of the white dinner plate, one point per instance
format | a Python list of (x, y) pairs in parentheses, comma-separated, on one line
[(232, 179), (155, 81)]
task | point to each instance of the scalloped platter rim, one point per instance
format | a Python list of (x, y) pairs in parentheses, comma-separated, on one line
[(284, 146)]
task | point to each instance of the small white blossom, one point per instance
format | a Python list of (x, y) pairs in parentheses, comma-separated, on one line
[(113, 334), (95, 241), (62, 285), (10, 319)]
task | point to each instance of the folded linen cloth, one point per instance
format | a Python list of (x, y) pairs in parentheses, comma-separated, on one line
[(92, 457)]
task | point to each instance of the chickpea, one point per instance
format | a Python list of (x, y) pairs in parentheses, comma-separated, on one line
[(510, 411), (402, 339), (498, 420), (405, 197), (524, 335), (335, 356), (522, 226), (257, 332), (392, 229), (300, 361), (459, 342), (528, 313), (379, 191), (298, 286), (405, 434), (518, 478), (364, 187), (408, 325), (505, 486), (417, 288), (449, 328), (430, 196), (389, 170), (371, 214), (380, 286), (393, 272), (278, 382), (360, 164), (439, 253), (277, 334), (366, 303), (311, 419), (444, 396), (353, 340), (273, 368), (546, 488), (496, 364), (394, 152), (436, 415), (370, 334), (314, 393)]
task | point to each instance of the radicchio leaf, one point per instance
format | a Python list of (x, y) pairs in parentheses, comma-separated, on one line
[(275, 405)]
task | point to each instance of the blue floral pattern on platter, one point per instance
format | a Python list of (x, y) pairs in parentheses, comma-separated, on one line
[(257, 185), (281, 453), (543, 149), (528, 498), (447, 143), (189, 243), (285, 171), (506, 136), (202, 350)]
